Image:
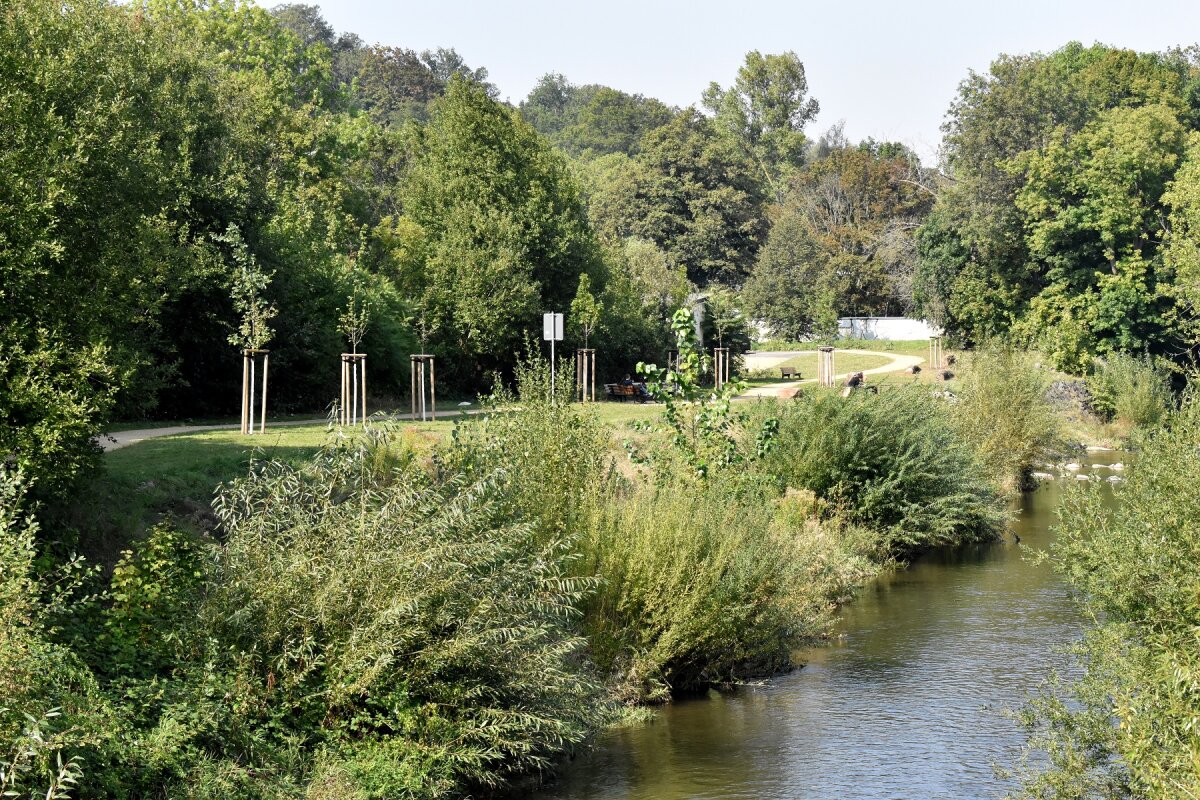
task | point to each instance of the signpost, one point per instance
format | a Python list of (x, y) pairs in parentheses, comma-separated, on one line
[(552, 331)]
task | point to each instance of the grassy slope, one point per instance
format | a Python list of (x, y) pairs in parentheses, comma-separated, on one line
[(176, 475)]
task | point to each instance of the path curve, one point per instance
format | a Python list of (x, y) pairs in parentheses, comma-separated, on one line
[(119, 439), (898, 364)]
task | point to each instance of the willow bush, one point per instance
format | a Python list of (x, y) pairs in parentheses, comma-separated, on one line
[(1131, 390), (894, 463), (412, 625), (1127, 727), (549, 453), (1002, 412), (706, 585)]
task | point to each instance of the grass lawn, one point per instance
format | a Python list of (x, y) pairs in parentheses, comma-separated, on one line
[(807, 364), (176, 476), (904, 347), (443, 407)]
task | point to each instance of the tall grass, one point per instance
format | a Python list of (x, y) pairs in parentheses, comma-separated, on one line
[(1002, 412), (706, 585), (1133, 391)]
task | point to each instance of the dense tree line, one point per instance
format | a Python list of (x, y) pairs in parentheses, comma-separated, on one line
[(146, 139), (1065, 212), (1064, 215)]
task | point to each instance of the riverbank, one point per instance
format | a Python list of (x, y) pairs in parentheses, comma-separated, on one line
[(920, 668), (621, 562)]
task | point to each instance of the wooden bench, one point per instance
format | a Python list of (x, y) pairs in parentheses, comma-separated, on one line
[(789, 372), (619, 391)]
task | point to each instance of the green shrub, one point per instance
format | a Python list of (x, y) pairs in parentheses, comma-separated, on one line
[(705, 584), (153, 595), (50, 709), (548, 452), (1127, 726), (1003, 413), (363, 610), (1129, 389), (892, 462), (53, 400)]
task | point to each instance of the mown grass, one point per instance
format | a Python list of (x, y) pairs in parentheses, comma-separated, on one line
[(905, 347), (806, 363)]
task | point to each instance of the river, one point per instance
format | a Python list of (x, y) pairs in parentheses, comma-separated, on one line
[(906, 702)]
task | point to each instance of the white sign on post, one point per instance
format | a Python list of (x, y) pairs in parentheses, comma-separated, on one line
[(552, 331), (552, 327)]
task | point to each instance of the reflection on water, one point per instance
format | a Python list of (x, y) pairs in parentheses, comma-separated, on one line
[(905, 703)]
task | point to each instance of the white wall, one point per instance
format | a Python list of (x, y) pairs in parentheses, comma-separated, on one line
[(895, 328)]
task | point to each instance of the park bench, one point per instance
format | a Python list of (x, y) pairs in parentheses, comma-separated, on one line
[(619, 391), (789, 372)]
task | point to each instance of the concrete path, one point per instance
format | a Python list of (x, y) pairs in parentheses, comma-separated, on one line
[(119, 439), (898, 364), (762, 360)]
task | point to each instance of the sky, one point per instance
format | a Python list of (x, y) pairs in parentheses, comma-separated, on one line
[(889, 70)]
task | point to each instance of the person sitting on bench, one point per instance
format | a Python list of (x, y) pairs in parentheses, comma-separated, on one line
[(642, 392)]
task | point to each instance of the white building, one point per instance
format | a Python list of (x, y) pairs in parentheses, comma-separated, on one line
[(894, 328)]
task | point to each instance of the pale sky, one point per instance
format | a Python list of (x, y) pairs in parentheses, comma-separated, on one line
[(889, 69)]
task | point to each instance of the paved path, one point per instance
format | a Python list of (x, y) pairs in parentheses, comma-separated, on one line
[(898, 364), (119, 439), (760, 360)]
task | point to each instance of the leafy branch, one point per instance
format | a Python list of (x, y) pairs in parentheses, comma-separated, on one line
[(703, 426)]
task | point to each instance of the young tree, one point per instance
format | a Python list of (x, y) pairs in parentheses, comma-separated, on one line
[(585, 309), (356, 317), (248, 283)]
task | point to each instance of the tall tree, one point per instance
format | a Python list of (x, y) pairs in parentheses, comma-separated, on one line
[(765, 112), (1058, 163), (494, 230), (691, 192)]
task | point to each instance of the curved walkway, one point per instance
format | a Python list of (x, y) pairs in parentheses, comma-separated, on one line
[(119, 439), (899, 363)]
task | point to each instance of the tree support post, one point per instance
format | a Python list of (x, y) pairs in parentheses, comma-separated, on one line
[(825, 370), (935, 352), (585, 375), (423, 385), (353, 406), (250, 359), (721, 366)]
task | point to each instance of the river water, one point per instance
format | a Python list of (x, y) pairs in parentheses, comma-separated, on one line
[(906, 702)]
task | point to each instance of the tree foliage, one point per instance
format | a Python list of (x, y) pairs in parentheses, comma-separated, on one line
[(1054, 225), (765, 112)]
